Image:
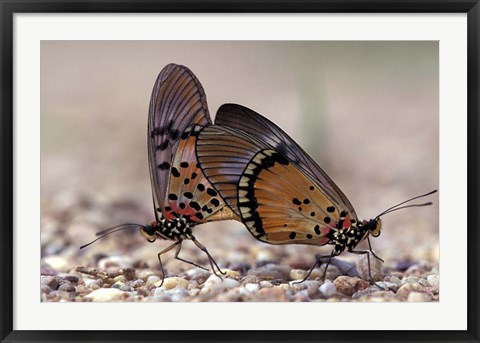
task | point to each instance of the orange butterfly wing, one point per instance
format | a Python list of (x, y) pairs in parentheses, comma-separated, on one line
[(277, 201)]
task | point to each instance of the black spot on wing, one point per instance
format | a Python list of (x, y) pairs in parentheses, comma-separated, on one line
[(164, 165), (175, 172)]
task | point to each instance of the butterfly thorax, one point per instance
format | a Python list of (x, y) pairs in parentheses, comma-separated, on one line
[(177, 229), (349, 233)]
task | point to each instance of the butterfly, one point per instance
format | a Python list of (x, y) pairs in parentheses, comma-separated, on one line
[(281, 195), (182, 195)]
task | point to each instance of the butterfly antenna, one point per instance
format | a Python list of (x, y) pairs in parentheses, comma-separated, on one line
[(111, 230), (396, 207)]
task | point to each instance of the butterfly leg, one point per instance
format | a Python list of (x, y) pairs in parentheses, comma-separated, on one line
[(362, 252), (170, 247), (179, 247), (317, 263), (370, 248), (213, 264)]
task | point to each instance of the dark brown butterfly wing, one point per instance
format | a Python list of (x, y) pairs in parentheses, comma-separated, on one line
[(178, 101), (247, 120)]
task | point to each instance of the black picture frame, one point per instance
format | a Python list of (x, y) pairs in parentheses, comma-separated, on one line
[(10, 7)]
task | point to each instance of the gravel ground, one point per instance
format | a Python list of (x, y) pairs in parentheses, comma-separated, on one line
[(124, 267)]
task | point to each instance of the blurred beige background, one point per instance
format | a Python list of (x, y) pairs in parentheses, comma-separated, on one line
[(367, 112)]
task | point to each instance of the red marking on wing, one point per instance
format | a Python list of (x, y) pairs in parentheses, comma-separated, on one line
[(325, 231), (346, 222)]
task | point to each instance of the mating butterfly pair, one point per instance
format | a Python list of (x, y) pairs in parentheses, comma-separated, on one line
[(243, 168)]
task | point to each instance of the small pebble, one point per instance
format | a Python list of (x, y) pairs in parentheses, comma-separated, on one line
[(434, 281), (51, 281), (252, 287), (231, 273), (376, 296), (152, 280), (193, 292), (89, 282), (301, 296), (415, 279), (375, 267), (350, 285), (120, 278), (272, 294), (45, 289), (172, 282), (396, 281), (57, 263), (47, 271), (407, 288), (328, 289), (118, 285), (298, 274), (418, 297), (94, 286), (142, 291), (176, 294), (215, 283), (137, 283), (265, 284), (250, 279), (198, 275), (106, 295), (67, 287), (144, 274), (386, 285), (71, 278), (159, 298)]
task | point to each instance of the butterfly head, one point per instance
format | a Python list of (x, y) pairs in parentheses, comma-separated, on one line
[(149, 232), (373, 226)]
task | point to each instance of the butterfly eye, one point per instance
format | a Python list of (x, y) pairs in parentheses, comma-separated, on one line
[(148, 232), (375, 232)]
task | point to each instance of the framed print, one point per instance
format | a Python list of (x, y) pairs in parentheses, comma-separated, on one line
[(311, 160)]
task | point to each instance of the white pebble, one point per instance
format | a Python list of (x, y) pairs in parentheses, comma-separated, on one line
[(265, 284), (152, 279), (176, 294), (215, 283), (418, 297), (328, 289), (252, 287), (159, 291), (57, 263), (106, 294)]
